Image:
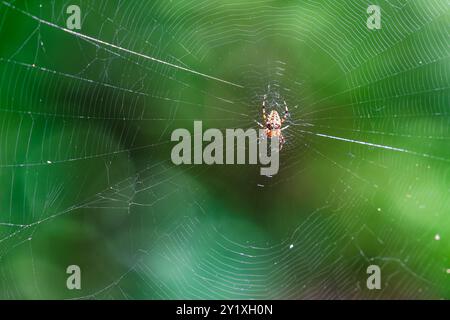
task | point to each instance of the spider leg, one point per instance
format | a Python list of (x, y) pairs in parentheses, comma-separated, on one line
[(259, 124), (264, 108), (281, 142), (261, 137), (286, 112), (284, 128)]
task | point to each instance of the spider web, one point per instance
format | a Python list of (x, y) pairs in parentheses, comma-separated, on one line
[(85, 170)]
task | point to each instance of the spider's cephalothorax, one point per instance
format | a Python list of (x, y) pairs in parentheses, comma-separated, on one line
[(273, 124)]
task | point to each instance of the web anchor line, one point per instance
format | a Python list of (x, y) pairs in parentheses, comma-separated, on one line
[(370, 144), (89, 38)]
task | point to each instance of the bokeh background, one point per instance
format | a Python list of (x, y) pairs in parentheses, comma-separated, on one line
[(86, 177)]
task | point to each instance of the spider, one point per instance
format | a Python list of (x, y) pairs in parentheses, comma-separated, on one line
[(273, 123)]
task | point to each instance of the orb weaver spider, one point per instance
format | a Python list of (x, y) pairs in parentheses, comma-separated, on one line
[(273, 124)]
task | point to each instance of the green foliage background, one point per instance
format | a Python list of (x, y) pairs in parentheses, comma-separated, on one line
[(85, 170)]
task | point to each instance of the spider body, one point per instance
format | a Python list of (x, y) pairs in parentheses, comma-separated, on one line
[(273, 124)]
